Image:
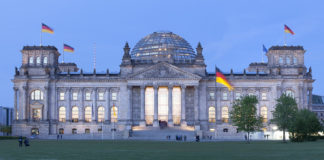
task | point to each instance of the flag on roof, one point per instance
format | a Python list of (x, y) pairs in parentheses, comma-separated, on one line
[(68, 48), (288, 30), (47, 29), (220, 78), (265, 49)]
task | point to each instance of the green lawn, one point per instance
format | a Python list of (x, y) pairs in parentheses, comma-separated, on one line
[(151, 150)]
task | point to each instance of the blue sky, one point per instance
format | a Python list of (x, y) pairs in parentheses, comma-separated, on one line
[(231, 32)]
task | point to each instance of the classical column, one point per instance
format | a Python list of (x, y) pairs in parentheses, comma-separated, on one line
[(196, 106), (45, 109), (107, 108), (130, 111), (15, 103), (142, 120), (156, 103), (183, 106), (218, 104), (170, 115), (310, 95), (68, 108), (94, 102), (81, 108), (26, 103)]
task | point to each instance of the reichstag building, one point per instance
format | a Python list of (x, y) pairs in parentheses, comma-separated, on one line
[(162, 89)]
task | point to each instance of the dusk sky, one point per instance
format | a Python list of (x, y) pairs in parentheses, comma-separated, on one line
[(231, 32)]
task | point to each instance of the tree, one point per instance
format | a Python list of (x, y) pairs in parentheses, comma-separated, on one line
[(5, 129), (305, 125), (285, 113), (244, 115)]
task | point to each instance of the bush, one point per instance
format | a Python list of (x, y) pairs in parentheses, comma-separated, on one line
[(9, 137)]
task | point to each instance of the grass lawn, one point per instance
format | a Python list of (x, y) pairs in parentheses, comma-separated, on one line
[(151, 150)]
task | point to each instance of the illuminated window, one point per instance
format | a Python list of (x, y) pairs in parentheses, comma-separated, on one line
[(114, 114), (87, 114), (225, 96), (38, 60), (34, 131), (176, 105), (280, 60), (114, 96), (75, 96), (87, 131), (290, 93), (212, 95), (212, 115), (75, 114), (295, 60), (74, 131), (62, 114), (237, 96), (61, 131), (31, 60), (101, 114), (62, 94), (37, 95), (45, 60), (37, 114), (88, 96), (264, 114), (225, 114), (163, 104), (101, 96), (263, 96), (149, 105)]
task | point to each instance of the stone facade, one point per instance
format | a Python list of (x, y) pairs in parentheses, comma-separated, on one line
[(42, 87)]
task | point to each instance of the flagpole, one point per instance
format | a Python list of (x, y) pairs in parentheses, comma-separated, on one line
[(215, 96), (41, 37), (63, 54), (285, 39)]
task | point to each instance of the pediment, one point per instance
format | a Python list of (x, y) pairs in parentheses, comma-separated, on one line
[(163, 70)]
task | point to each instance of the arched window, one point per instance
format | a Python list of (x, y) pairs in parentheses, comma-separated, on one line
[(263, 96), (38, 60), (87, 131), (101, 114), (87, 114), (290, 93), (62, 114), (211, 115), (295, 60), (264, 114), (45, 60), (75, 114), (114, 114), (225, 114), (74, 131), (36, 95), (31, 60), (288, 60), (280, 60)]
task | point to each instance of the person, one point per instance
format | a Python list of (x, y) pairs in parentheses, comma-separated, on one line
[(20, 140), (26, 142), (61, 136), (185, 138), (245, 137), (57, 137)]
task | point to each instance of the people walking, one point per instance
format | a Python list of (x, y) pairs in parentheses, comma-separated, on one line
[(26, 142), (20, 141)]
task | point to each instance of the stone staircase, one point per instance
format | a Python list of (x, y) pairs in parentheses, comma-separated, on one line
[(155, 133)]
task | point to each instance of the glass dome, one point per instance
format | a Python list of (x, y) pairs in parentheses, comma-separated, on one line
[(162, 45)]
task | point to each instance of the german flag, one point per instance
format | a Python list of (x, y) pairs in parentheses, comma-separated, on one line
[(47, 29), (220, 78), (68, 48), (288, 30)]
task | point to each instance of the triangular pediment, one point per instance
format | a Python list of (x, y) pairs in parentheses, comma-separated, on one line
[(163, 70)]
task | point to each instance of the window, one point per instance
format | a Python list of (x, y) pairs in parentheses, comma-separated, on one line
[(225, 130), (264, 114), (37, 114), (88, 96), (237, 95), (101, 114), (101, 96), (176, 105), (37, 95), (31, 60), (149, 105), (87, 131), (74, 131), (87, 114), (75, 96), (295, 60), (114, 114), (211, 115), (62, 94), (45, 60), (225, 96), (263, 96), (34, 131), (288, 60), (280, 60), (114, 96), (75, 114), (38, 60), (290, 93), (61, 131), (62, 114), (211, 95), (225, 114)]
